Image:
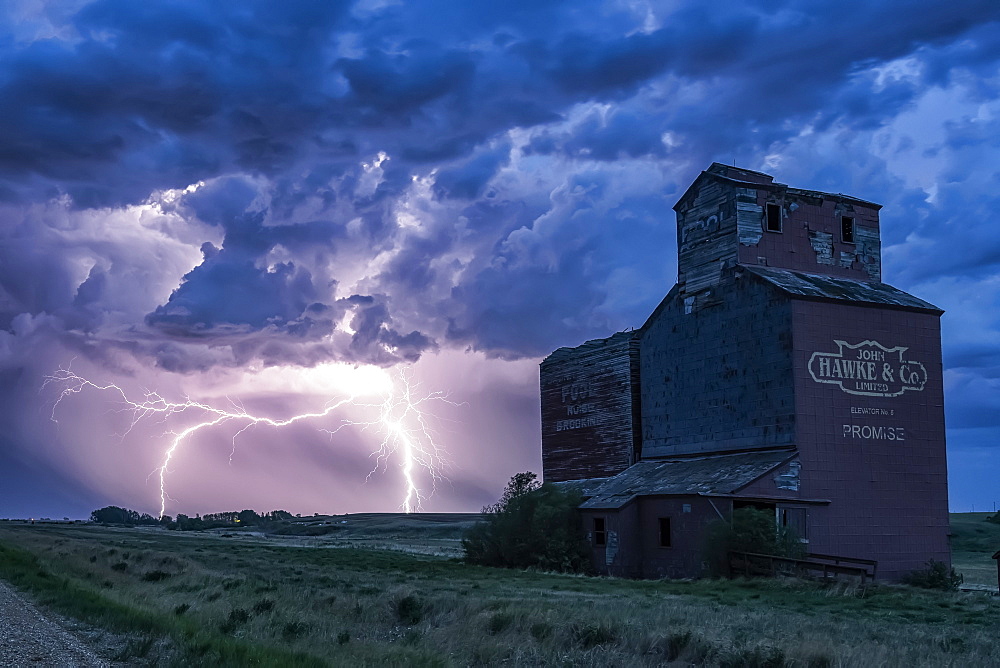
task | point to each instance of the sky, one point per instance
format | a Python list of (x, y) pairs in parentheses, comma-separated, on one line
[(275, 209)]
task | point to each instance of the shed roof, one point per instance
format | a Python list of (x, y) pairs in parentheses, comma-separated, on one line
[(716, 474), (748, 178), (566, 352), (820, 286)]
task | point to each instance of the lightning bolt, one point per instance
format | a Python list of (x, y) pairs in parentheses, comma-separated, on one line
[(400, 418)]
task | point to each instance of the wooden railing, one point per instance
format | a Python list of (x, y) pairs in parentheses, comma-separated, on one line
[(815, 565)]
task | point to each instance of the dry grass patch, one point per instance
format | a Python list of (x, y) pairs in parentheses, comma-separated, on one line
[(362, 607)]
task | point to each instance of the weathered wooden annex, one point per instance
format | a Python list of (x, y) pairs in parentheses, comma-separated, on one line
[(779, 372)]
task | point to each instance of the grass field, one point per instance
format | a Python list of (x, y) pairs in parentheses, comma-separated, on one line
[(237, 598), (973, 543)]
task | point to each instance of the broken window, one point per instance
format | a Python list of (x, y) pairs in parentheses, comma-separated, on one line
[(772, 221), (664, 532), (600, 534), (847, 229)]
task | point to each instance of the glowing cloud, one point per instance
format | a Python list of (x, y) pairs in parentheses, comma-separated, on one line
[(399, 416)]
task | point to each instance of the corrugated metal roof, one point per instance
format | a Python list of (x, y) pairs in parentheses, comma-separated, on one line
[(587, 486), (717, 474), (846, 289), (719, 171), (593, 344)]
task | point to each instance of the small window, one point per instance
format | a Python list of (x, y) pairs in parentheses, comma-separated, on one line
[(600, 534), (795, 519), (847, 229), (773, 218), (664, 532)]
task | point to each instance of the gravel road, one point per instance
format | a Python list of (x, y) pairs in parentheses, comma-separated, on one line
[(29, 638)]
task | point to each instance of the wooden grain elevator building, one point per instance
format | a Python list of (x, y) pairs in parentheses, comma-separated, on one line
[(779, 372)]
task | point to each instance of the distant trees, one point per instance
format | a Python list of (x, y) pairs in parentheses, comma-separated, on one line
[(530, 526), (126, 517), (243, 518), (116, 515)]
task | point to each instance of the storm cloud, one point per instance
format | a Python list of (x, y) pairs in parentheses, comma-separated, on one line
[(197, 188)]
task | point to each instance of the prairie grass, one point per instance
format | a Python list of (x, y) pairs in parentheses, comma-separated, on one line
[(224, 602)]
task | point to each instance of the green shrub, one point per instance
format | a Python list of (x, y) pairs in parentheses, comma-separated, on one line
[(748, 530), (531, 526), (937, 575)]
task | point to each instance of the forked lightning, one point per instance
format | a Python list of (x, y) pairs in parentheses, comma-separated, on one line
[(400, 418)]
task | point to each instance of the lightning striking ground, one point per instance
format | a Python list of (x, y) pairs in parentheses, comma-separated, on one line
[(400, 418)]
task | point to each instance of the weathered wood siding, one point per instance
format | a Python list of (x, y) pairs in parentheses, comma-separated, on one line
[(721, 221), (718, 378), (590, 411)]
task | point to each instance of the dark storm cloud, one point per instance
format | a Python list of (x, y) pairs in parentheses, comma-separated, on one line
[(367, 181), (151, 96)]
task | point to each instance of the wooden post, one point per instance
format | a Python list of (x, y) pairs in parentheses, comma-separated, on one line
[(996, 555)]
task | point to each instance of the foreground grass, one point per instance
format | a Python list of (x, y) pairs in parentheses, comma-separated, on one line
[(201, 599), (973, 543)]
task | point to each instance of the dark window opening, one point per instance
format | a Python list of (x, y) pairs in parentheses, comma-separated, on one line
[(600, 534), (847, 229), (773, 218), (664, 532), (795, 520)]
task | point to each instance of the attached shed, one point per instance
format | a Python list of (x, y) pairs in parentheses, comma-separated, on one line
[(650, 520)]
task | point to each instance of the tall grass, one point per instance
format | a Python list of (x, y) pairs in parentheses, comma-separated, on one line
[(220, 601)]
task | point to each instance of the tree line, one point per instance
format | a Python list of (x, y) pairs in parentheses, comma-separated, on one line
[(127, 517)]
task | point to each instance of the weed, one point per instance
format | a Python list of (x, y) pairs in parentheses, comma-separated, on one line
[(237, 617), (155, 576), (676, 642), (135, 649), (953, 644), (121, 567), (819, 661), (263, 605), (760, 656), (181, 609), (499, 622), (293, 630), (541, 631), (409, 610), (589, 635), (343, 637)]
